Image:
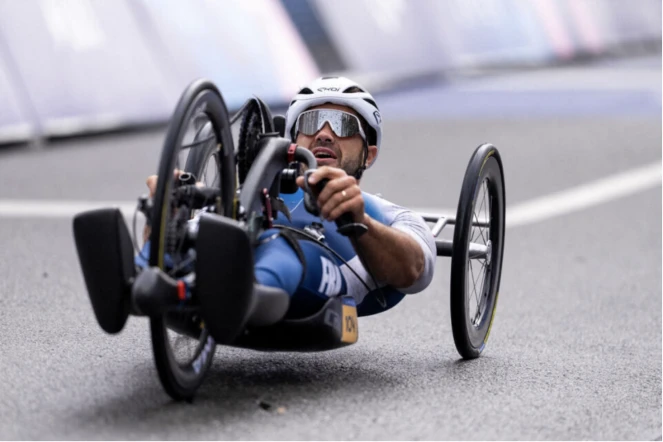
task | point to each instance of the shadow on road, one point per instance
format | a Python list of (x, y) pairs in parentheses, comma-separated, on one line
[(247, 387)]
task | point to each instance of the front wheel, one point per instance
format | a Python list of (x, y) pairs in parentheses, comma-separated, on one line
[(199, 142), (478, 246)]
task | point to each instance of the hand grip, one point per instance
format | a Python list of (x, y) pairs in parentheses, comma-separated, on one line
[(345, 224)]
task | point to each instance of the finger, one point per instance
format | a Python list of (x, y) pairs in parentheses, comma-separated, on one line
[(337, 199), (147, 230), (152, 184), (300, 181), (325, 172), (334, 186), (354, 206)]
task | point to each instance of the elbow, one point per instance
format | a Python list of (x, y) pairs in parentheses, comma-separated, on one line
[(413, 272)]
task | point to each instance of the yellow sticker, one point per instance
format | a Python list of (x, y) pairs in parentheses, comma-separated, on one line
[(350, 326), (492, 316)]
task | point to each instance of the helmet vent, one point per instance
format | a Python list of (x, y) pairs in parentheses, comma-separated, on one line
[(328, 78), (306, 91), (353, 90), (371, 102)]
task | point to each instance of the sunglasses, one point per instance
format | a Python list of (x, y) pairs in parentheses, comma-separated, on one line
[(344, 124)]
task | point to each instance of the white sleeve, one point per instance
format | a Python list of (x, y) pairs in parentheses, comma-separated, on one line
[(414, 225)]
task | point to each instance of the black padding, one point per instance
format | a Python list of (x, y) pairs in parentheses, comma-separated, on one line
[(224, 276), (279, 124), (270, 305), (318, 332), (154, 292), (106, 256)]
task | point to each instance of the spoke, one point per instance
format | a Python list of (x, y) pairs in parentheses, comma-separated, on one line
[(203, 173), (480, 231), (474, 283), (490, 205), (483, 282), (467, 286), (470, 281), (485, 207), (483, 200), (479, 296)]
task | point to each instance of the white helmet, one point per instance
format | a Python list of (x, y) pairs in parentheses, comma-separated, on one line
[(341, 91)]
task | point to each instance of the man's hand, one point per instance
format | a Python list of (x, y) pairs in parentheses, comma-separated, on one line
[(393, 256), (151, 183), (340, 195)]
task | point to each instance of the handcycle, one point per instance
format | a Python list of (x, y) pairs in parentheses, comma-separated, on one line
[(213, 199)]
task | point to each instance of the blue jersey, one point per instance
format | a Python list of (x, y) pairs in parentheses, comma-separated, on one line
[(384, 212)]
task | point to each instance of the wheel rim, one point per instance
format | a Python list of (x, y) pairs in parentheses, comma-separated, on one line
[(478, 273)]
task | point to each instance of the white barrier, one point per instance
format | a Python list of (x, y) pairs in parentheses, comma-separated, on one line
[(397, 37), (71, 66), (94, 65)]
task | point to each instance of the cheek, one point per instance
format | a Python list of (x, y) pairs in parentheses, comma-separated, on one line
[(352, 148), (303, 140)]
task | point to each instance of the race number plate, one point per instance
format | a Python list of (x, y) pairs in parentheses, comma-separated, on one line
[(350, 332)]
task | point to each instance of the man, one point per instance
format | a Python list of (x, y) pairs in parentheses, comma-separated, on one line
[(340, 124)]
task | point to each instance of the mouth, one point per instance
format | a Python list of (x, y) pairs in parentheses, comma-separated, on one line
[(323, 153)]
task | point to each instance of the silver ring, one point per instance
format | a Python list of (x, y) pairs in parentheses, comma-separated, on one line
[(344, 193)]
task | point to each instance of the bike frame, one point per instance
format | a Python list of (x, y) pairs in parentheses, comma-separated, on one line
[(444, 246)]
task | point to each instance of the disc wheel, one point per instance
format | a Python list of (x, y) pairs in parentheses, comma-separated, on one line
[(478, 246), (199, 142)]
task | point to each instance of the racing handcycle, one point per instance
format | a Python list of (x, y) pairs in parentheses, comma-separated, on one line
[(218, 189)]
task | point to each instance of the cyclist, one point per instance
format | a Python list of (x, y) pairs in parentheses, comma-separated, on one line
[(339, 122)]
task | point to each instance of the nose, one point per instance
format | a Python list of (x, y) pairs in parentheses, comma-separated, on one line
[(325, 135)]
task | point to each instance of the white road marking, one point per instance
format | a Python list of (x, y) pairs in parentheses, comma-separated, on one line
[(57, 208), (576, 198), (539, 209), (585, 196)]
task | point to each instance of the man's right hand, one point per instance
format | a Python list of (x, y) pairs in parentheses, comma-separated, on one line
[(152, 184)]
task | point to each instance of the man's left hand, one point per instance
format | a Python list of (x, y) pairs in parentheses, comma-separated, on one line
[(340, 195)]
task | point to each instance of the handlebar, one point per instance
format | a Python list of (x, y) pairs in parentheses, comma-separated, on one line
[(345, 223), (274, 156)]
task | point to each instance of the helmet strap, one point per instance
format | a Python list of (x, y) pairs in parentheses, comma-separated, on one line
[(360, 170)]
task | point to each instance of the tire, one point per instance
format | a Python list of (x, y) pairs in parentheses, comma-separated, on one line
[(482, 197), (201, 106), (203, 159), (249, 131)]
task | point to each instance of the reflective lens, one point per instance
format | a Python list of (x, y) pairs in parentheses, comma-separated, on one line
[(343, 124)]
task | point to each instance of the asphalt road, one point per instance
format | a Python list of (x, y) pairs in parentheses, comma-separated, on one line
[(574, 353)]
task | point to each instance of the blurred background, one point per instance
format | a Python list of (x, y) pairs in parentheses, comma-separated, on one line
[(75, 66), (568, 90)]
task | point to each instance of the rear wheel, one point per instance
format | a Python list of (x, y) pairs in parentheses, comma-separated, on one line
[(198, 142), (478, 246)]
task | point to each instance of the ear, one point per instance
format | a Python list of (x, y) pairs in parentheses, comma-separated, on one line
[(372, 153)]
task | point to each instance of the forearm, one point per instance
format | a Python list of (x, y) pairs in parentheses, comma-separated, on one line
[(391, 255)]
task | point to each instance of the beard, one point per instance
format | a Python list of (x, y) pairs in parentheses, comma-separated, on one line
[(349, 165)]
